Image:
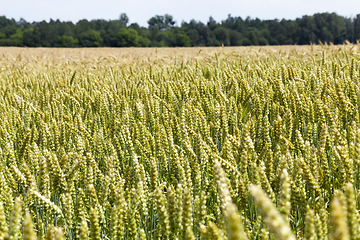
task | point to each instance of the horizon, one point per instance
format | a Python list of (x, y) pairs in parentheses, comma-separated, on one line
[(176, 22), (140, 11)]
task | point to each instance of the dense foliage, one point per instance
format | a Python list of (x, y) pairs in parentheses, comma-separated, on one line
[(162, 31), (182, 151)]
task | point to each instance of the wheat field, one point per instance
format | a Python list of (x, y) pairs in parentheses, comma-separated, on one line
[(180, 143)]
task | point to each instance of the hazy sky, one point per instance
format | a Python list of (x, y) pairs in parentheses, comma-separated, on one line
[(141, 10)]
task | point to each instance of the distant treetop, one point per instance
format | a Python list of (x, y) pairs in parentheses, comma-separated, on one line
[(162, 31)]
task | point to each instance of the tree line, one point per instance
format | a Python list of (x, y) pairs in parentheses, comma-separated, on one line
[(162, 31)]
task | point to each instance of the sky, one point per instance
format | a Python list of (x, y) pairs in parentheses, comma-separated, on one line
[(140, 11)]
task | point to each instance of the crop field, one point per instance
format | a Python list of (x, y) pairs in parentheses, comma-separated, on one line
[(180, 143)]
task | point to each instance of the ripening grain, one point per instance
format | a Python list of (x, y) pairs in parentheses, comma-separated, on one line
[(248, 143)]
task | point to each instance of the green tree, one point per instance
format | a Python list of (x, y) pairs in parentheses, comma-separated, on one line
[(245, 42), (162, 22), (128, 37), (143, 42), (67, 41), (235, 38), (124, 19), (17, 36), (31, 37), (183, 40), (212, 23), (263, 41), (90, 38), (222, 35), (251, 35), (161, 31)]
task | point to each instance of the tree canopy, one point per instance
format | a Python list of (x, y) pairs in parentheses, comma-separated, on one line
[(162, 31)]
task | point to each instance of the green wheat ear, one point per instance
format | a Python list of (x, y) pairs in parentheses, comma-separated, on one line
[(233, 221), (340, 229), (271, 215), (3, 226), (15, 220), (93, 145), (29, 233)]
